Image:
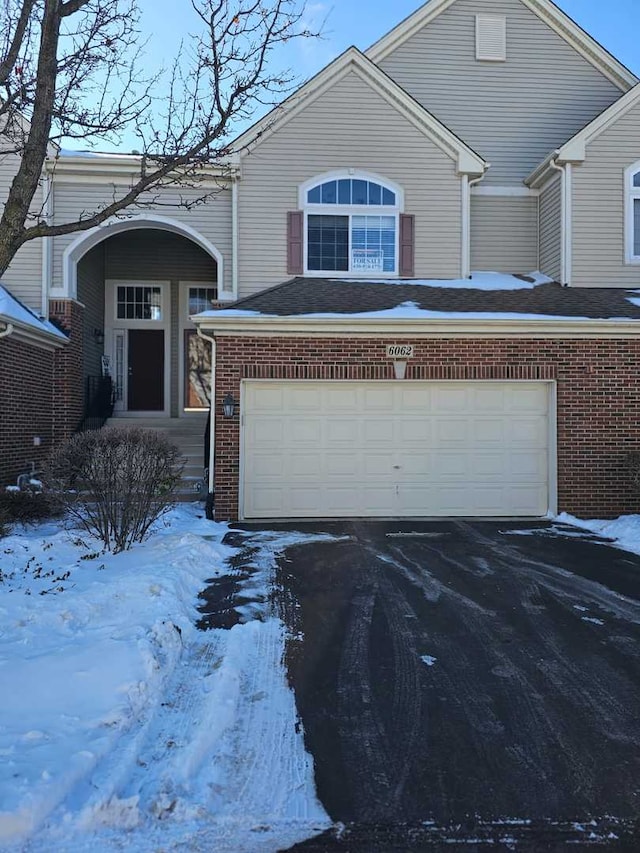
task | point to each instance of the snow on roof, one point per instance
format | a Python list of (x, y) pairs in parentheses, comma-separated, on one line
[(477, 281), (403, 311), (14, 312)]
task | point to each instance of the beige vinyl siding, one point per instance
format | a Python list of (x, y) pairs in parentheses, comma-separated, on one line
[(551, 229), (24, 275), (599, 207), (504, 233), (212, 220), (91, 295), (348, 126), (513, 113)]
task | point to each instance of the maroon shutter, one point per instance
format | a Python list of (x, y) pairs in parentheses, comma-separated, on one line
[(407, 244), (295, 226)]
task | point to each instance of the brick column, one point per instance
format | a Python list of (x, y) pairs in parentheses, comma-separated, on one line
[(68, 379)]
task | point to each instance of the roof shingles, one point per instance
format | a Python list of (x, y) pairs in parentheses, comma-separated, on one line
[(300, 296)]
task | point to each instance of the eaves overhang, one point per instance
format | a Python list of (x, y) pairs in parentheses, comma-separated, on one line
[(31, 334), (350, 326)]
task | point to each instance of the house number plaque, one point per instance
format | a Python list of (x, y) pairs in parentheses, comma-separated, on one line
[(400, 351)]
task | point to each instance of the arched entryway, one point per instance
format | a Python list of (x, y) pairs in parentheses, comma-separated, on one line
[(140, 281)]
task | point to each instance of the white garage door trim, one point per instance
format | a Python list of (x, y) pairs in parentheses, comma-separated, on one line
[(551, 417)]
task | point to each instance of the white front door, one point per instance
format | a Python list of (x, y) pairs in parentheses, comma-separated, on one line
[(335, 449)]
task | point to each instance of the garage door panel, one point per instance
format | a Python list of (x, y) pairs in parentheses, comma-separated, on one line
[(488, 430), (319, 449), (452, 431), (267, 433), (341, 430), (527, 431), (305, 430)]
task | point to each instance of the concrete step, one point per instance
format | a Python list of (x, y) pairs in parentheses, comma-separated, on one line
[(188, 436)]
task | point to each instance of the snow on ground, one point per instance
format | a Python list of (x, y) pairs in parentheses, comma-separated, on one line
[(625, 530), (122, 727)]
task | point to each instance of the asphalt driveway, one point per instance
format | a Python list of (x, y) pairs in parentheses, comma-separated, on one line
[(466, 681)]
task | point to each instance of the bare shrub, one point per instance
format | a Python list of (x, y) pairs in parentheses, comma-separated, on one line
[(116, 482), (27, 507)]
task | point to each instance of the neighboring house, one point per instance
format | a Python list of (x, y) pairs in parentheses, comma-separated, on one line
[(477, 135)]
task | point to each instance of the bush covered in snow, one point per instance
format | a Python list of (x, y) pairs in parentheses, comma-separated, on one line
[(116, 482)]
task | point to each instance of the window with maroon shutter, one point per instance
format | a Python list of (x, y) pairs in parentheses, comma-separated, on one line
[(295, 237), (351, 225), (407, 245)]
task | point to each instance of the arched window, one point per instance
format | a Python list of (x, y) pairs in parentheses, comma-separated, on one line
[(351, 225), (632, 191)]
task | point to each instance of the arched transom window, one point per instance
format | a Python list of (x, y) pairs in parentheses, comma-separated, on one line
[(633, 213), (351, 225)]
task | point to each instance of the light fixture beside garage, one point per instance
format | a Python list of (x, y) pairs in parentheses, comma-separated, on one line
[(400, 353), (228, 406)]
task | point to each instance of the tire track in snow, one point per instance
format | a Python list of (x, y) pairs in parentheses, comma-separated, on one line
[(218, 765)]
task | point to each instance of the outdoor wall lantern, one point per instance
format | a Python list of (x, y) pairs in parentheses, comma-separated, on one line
[(98, 336), (228, 406)]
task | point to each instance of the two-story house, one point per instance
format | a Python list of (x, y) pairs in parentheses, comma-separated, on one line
[(363, 366)]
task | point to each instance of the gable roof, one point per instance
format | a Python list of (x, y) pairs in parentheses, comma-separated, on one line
[(353, 60), (575, 149), (546, 10)]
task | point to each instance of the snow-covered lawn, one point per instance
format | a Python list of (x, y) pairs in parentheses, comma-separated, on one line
[(122, 727)]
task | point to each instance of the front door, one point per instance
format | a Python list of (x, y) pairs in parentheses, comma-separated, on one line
[(145, 386)]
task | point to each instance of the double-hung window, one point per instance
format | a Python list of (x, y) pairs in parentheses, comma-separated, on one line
[(351, 226), (632, 190)]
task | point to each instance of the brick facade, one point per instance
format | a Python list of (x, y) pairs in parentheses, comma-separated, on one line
[(68, 379), (26, 400), (598, 394)]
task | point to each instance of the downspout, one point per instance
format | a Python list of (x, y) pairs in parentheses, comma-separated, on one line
[(566, 220), (8, 329), (234, 238), (467, 184), (212, 422), (47, 209)]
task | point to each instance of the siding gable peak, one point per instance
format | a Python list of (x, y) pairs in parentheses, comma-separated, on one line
[(352, 60), (546, 10)]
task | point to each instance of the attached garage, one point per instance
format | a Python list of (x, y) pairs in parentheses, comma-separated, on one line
[(314, 449)]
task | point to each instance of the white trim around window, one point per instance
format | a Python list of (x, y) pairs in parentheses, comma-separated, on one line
[(351, 211), (632, 213)]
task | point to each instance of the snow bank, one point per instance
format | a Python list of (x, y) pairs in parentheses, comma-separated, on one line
[(625, 530), (123, 727)]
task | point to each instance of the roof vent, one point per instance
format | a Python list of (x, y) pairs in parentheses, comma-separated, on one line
[(491, 38)]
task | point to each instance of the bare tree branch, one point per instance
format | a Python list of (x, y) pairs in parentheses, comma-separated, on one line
[(76, 70)]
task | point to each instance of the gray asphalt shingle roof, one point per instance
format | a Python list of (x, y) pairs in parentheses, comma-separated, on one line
[(300, 296)]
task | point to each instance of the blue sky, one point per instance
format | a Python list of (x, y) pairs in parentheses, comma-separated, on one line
[(614, 23)]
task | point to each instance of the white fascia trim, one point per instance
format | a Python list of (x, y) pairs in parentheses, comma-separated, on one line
[(104, 169), (235, 241), (631, 194), (554, 17), (575, 150), (352, 60), (33, 336), (505, 192), (90, 238), (354, 326)]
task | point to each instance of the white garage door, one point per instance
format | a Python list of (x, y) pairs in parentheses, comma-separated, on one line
[(332, 449)]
